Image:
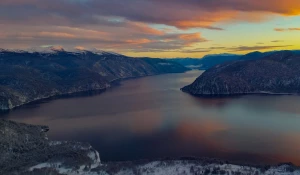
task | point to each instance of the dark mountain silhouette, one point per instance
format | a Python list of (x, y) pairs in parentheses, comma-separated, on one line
[(276, 73)]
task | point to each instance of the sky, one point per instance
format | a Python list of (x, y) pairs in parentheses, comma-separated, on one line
[(152, 28)]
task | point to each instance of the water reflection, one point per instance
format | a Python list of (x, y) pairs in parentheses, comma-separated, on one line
[(151, 118)]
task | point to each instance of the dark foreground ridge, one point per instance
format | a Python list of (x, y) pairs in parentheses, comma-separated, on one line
[(29, 76), (26, 150), (277, 73), (24, 146)]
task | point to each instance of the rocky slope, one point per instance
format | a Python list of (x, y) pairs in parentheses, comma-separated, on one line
[(277, 73), (23, 146), (26, 76)]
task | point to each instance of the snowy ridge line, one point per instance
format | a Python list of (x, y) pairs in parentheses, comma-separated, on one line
[(56, 49), (172, 167)]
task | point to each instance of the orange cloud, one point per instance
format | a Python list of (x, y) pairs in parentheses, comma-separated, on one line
[(292, 29), (81, 32), (56, 34), (286, 29), (144, 28), (138, 41), (192, 36), (195, 24), (279, 29)]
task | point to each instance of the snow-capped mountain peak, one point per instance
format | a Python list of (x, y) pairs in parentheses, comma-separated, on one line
[(45, 49), (101, 52), (57, 48), (54, 49)]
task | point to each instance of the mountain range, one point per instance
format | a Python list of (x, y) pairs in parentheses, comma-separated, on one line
[(30, 75), (39, 73), (209, 61)]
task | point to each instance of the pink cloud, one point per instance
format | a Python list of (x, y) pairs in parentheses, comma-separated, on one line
[(56, 34)]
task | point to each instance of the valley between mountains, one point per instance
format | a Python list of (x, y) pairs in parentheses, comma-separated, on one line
[(27, 76)]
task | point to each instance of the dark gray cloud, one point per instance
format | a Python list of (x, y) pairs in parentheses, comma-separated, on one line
[(179, 13), (277, 41), (255, 48)]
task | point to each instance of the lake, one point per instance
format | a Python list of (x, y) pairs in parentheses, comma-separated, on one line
[(150, 118)]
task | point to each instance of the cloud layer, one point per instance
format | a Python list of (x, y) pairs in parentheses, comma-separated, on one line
[(128, 24)]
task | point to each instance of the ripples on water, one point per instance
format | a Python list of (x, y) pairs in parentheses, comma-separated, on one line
[(151, 118)]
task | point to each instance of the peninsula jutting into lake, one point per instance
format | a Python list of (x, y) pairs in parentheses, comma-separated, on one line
[(277, 73)]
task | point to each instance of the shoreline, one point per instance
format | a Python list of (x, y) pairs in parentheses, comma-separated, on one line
[(236, 95), (84, 93)]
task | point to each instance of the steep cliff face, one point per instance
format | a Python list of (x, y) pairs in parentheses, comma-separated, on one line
[(277, 73), (29, 76)]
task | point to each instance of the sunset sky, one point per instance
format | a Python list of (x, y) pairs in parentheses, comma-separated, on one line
[(154, 28)]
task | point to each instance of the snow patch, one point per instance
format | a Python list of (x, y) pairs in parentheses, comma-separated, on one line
[(54, 143), (94, 155), (53, 49), (57, 166)]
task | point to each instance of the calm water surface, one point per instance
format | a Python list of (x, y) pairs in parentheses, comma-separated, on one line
[(151, 118)]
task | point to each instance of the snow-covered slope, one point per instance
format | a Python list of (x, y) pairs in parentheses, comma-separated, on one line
[(175, 167), (56, 48)]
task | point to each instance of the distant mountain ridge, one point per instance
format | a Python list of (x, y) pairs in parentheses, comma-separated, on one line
[(275, 73), (27, 76), (209, 61), (55, 49), (221, 54)]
